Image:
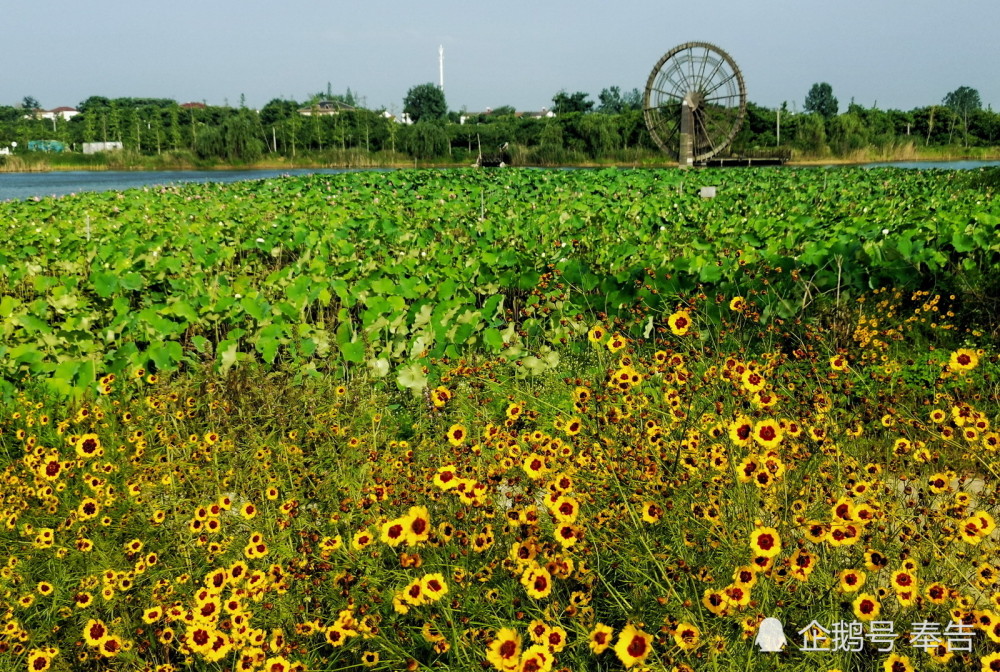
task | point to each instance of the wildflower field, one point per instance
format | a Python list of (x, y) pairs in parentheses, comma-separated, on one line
[(514, 421)]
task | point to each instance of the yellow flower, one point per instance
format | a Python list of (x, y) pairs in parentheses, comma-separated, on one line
[(633, 646), (600, 638), (963, 359), (768, 433), (537, 582), (456, 435), (504, 652), (679, 322), (596, 334), (617, 342), (766, 542), (89, 445), (687, 636), (897, 663), (394, 531), (866, 607)]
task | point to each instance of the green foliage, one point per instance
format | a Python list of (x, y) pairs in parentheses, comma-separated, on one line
[(331, 272), (425, 140), (565, 103), (963, 100), (425, 102), (811, 134), (821, 100), (612, 101)]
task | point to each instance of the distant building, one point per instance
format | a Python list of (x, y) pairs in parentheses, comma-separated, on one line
[(325, 108), (64, 113), (193, 106), (95, 147)]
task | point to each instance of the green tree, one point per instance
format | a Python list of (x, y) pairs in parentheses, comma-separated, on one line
[(612, 101), (30, 103), (820, 100), (811, 133), (564, 103), (963, 101), (278, 110), (426, 140), (240, 137), (425, 102)]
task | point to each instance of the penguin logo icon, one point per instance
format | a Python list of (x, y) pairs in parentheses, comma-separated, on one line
[(770, 636)]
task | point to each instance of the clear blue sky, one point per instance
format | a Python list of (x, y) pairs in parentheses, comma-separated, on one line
[(896, 53)]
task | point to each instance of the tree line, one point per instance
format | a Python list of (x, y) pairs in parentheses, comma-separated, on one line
[(581, 130)]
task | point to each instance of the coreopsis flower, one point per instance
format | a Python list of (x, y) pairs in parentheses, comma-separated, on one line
[(565, 509), (838, 363), (741, 430), (768, 433), (866, 607), (633, 646), (738, 304), (963, 359), (679, 323), (537, 581), (599, 638), (434, 586), (95, 632), (687, 636), (765, 541), (88, 446), (457, 435), (440, 396), (597, 334), (897, 663), (361, 539), (534, 466), (417, 525), (851, 580), (504, 652), (393, 532), (536, 658), (616, 343), (990, 662), (651, 512)]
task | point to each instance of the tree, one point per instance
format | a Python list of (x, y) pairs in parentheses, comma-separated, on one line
[(425, 102), (564, 103), (30, 103), (820, 100), (612, 101), (278, 110), (426, 140), (963, 101)]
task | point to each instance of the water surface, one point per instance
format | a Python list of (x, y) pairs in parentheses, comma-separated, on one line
[(61, 183)]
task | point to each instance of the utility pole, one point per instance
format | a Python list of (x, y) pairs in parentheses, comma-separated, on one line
[(779, 128), (441, 65)]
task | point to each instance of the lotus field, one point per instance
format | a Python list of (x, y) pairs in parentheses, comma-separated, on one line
[(518, 420)]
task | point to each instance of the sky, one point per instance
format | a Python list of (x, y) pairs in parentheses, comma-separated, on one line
[(897, 54)]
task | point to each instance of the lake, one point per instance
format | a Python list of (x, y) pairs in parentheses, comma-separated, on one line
[(61, 183)]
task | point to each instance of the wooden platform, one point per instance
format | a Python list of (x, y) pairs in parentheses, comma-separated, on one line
[(776, 156), (730, 161)]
